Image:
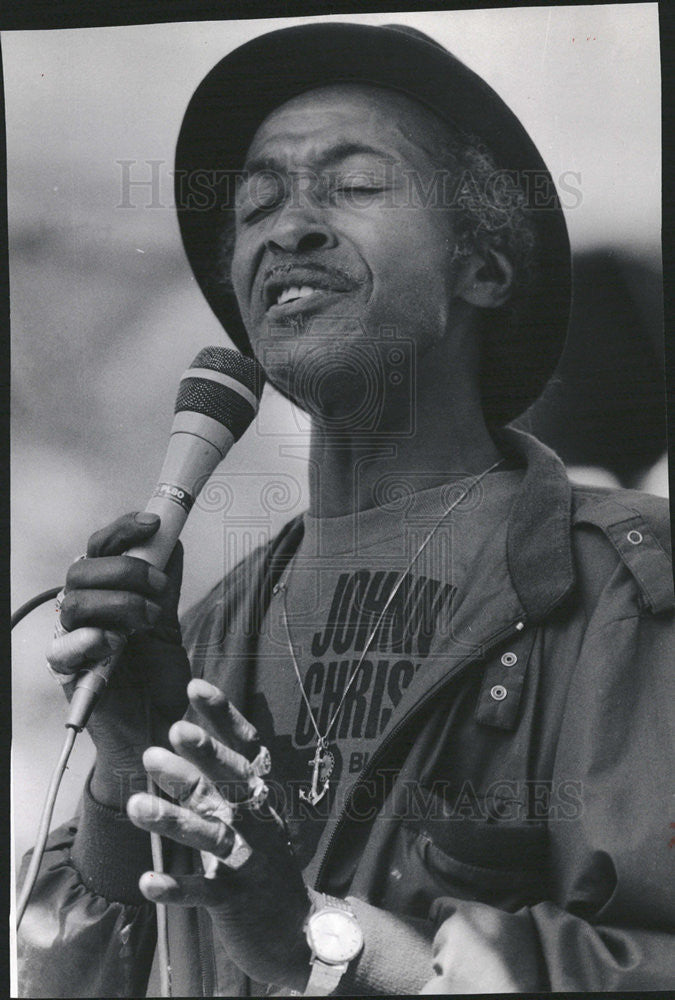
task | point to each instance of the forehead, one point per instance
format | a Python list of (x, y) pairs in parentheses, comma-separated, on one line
[(374, 116)]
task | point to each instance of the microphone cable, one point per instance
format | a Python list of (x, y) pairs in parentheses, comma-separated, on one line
[(48, 811), (35, 602), (45, 821), (57, 775)]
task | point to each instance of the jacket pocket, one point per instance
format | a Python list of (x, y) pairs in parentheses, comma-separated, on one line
[(502, 863)]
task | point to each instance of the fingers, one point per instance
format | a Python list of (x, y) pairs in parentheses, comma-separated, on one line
[(218, 762), (128, 530), (198, 756), (203, 833), (184, 890), (110, 590), (116, 573), (184, 782), (80, 648), (109, 609), (115, 592), (222, 718), (210, 777)]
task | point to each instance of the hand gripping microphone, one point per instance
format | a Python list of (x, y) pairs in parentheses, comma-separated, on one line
[(217, 399)]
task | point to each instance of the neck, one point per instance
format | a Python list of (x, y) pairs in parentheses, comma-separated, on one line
[(450, 439)]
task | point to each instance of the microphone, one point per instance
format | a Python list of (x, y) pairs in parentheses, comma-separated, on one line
[(218, 397)]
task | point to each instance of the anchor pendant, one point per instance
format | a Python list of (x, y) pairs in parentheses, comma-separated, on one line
[(322, 764)]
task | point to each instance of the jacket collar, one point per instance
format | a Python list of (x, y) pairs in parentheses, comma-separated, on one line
[(539, 544), (517, 578)]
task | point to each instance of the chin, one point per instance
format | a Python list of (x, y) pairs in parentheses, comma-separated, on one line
[(342, 391), (332, 370)]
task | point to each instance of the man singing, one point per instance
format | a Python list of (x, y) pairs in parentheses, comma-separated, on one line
[(424, 747)]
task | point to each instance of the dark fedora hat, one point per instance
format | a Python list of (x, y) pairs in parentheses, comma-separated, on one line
[(522, 341)]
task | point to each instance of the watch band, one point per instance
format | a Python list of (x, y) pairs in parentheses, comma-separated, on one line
[(333, 903), (325, 976), (324, 979)]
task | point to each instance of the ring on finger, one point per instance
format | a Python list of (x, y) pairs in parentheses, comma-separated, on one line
[(261, 765), (59, 631), (237, 855), (259, 792), (234, 852), (59, 628)]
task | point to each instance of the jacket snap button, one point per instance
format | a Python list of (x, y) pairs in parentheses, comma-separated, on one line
[(509, 659), (634, 537), (498, 692)]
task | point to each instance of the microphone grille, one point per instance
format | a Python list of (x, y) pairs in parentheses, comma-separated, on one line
[(232, 363), (224, 385)]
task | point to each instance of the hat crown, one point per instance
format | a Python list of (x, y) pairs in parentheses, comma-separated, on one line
[(415, 33)]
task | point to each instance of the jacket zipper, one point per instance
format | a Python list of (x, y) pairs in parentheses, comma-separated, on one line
[(492, 643)]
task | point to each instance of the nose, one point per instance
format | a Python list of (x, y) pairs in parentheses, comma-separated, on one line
[(299, 230)]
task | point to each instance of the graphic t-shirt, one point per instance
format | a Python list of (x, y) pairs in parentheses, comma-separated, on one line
[(329, 605)]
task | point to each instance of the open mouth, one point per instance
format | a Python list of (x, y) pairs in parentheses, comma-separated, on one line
[(293, 293), (297, 285)]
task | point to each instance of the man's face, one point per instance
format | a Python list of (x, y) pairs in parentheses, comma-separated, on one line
[(331, 254)]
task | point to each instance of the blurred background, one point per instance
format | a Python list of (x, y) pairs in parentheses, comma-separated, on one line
[(106, 315)]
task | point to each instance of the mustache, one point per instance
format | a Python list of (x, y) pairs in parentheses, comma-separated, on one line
[(305, 263)]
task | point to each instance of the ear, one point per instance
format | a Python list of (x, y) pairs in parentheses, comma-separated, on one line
[(486, 279)]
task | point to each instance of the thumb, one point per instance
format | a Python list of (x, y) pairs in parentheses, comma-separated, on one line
[(73, 651)]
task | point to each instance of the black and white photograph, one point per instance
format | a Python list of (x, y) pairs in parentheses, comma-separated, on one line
[(341, 567)]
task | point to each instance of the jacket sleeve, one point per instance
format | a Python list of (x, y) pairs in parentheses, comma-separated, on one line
[(608, 925), (87, 930)]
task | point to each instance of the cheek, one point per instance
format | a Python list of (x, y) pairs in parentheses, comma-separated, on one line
[(413, 269), (242, 271), (238, 276)]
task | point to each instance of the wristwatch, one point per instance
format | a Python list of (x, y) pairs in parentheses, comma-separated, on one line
[(335, 938)]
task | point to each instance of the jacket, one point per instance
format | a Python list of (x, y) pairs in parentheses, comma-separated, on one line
[(522, 822)]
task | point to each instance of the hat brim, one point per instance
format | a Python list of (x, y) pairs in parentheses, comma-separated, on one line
[(249, 83)]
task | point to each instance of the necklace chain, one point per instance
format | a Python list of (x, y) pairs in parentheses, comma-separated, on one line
[(322, 762), (282, 586)]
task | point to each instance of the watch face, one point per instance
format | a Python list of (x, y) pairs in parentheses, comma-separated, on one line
[(334, 936)]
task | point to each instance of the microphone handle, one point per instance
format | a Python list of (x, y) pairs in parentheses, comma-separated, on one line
[(190, 460)]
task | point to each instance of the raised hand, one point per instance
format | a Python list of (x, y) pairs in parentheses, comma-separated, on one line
[(252, 884)]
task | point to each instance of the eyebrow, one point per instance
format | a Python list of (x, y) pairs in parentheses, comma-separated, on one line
[(333, 154)]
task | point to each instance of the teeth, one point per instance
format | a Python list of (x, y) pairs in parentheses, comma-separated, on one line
[(294, 292)]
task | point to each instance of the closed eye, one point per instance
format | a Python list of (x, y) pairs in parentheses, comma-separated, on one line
[(359, 187), (356, 193), (256, 213), (258, 195)]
